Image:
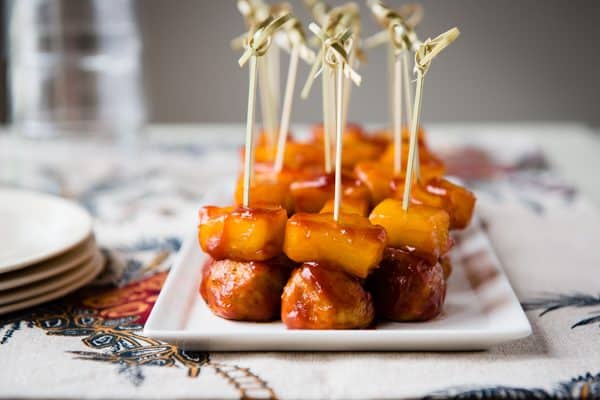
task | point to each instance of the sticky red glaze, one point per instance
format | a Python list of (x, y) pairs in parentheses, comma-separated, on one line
[(407, 288), (244, 291), (317, 297)]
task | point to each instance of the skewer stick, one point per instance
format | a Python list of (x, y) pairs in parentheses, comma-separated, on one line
[(347, 92), (397, 115), (265, 98), (408, 101), (426, 52), (413, 140), (249, 153), (257, 45), (337, 201), (312, 74), (407, 87), (274, 73), (287, 108), (390, 73), (326, 88)]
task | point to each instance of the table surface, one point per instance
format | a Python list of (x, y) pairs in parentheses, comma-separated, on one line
[(536, 188)]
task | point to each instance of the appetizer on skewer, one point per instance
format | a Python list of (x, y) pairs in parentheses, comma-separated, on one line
[(337, 249), (245, 277)]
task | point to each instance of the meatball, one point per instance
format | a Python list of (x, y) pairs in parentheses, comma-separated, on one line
[(244, 291), (407, 288), (316, 297)]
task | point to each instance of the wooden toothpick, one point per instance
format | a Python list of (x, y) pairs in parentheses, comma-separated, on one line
[(397, 116), (424, 55), (257, 45), (287, 107), (401, 39), (326, 87), (249, 149), (339, 132), (412, 147)]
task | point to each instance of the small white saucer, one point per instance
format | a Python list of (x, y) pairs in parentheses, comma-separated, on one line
[(49, 285), (37, 226), (95, 268), (49, 268)]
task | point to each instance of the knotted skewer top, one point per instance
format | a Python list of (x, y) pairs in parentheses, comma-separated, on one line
[(259, 37), (401, 34), (333, 52), (430, 48)]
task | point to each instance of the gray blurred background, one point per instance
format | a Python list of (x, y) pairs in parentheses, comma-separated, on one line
[(515, 61), (528, 60)]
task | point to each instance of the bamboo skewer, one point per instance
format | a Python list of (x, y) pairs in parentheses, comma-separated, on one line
[(339, 132), (334, 59), (397, 115), (408, 180), (249, 150), (424, 55), (266, 100), (258, 42), (327, 119), (287, 107)]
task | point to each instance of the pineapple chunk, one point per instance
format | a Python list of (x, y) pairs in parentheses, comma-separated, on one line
[(422, 228), (267, 188), (418, 195), (458, 201), (349, 206), (242, 234), (310, 195), (297, 154), (353, 244), (357, 145), (377, 177)]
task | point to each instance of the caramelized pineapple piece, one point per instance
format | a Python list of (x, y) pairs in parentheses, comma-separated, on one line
[(242, 234), (310, 195), (382, 184), (421, 227), (353, 244), (297, 154), (357, 144), (407, 288), (349, 206), (458, 201), (267, 188), (316, 297), (418, 195), (244, 290), (377, 177)]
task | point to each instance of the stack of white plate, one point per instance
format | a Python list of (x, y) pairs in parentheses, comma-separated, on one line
[(47, 249)]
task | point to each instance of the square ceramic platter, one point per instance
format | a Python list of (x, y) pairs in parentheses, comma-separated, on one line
[(481, 310)]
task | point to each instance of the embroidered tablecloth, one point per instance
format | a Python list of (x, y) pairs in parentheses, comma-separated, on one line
[(143, 199)]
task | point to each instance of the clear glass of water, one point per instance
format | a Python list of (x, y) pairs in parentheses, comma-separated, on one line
[(75, 68)]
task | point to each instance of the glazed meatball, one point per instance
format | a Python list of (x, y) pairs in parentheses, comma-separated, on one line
[(316, 297), (407, 288), (244, 291)]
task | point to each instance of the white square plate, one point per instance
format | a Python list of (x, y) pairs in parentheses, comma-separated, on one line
[(481, 310)]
